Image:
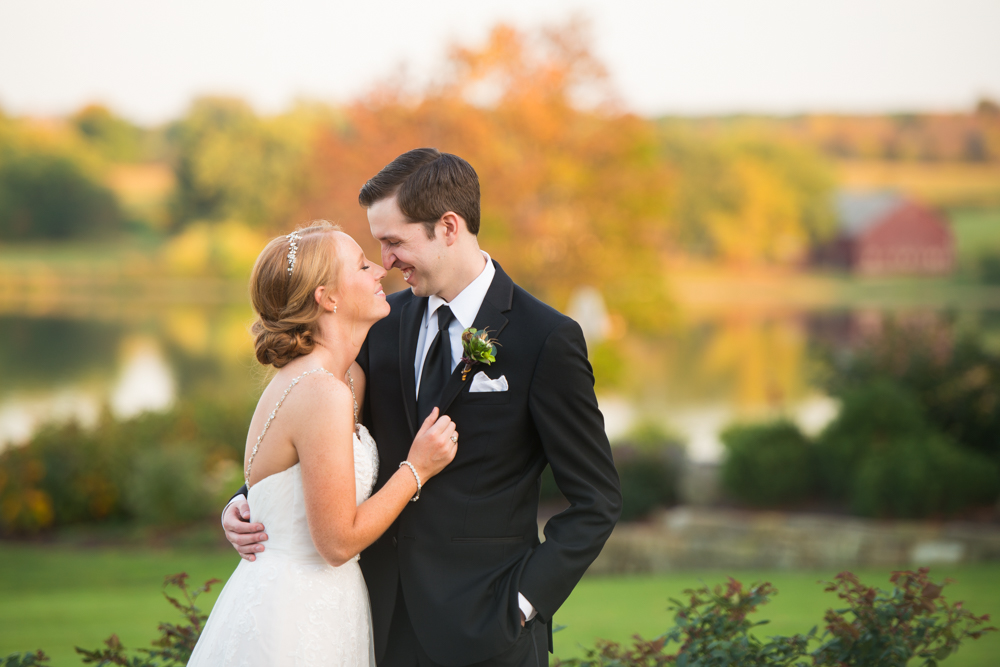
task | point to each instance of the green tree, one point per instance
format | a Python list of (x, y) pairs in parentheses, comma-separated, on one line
[(50, 195), (113, 137), (232, 164)]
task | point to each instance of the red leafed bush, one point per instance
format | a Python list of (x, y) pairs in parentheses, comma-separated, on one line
[(875, 629)]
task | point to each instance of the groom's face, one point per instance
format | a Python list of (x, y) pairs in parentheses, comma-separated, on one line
[(405, 246)]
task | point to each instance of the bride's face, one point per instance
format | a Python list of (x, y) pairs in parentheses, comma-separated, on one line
[(360, 287)]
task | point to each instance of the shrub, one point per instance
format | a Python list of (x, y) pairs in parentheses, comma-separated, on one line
[(80, 474), (175, 644), (649, 462), (649, 480), (36, 659), (68, 475), (168, 485), (956, 385), (989, 268), (891, 628), (882, 458), (922, 476), (873, 629), (871, 416), (767, 465)]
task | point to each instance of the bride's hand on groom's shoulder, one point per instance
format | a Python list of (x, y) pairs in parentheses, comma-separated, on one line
[(435, 445), (245, 537)]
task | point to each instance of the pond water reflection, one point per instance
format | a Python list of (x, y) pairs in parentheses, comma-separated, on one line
[(710, 368), (59, 369)]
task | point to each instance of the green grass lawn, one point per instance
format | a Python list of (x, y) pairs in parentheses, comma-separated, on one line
[(56, 597), (977, 232)]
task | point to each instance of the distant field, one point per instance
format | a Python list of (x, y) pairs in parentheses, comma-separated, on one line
[(954, 184), (57, 597), (977, 232)]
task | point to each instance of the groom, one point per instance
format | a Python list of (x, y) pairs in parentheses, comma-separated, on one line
[(461, 579)]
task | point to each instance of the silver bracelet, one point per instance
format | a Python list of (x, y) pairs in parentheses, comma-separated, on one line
[(417, 477)]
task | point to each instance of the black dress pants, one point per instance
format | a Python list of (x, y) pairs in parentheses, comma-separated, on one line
[(530, 649)]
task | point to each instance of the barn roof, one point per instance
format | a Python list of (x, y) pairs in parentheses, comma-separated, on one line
[(858, 211)]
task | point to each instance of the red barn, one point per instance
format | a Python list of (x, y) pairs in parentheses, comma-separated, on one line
[(883, 233)]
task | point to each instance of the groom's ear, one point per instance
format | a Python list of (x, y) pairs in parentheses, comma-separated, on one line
[(453, 225)]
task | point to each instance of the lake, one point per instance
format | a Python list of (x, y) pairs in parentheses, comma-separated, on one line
[(735, 349)]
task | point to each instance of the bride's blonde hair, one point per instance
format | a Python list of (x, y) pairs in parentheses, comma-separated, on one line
[(283, 299)]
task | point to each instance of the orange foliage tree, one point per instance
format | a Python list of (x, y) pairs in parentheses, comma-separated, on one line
[(574, 190)]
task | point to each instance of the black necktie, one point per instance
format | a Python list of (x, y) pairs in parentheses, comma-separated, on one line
[(437, 366)]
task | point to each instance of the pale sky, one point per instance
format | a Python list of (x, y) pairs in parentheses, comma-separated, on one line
[(147, 60)]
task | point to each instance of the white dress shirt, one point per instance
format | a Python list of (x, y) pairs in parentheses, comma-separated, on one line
[(464, 307)]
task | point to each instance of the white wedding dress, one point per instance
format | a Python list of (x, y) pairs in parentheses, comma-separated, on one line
[(291, 607)]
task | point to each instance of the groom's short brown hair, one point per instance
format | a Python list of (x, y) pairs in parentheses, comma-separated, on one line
[(427, 184)]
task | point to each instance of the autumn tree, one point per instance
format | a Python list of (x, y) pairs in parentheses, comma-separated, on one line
[(574, 190), (747, 199)]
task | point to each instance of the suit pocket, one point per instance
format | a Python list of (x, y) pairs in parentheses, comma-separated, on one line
[(489, 540), (486, 397)]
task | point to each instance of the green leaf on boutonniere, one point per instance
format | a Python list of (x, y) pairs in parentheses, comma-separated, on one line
[(477, 348)]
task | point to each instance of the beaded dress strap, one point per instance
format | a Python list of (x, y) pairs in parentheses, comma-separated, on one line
[(246, 473)]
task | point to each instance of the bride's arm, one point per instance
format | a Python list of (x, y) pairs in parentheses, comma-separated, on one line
[(340, 529)]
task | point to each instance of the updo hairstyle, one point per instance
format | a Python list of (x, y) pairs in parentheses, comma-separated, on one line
[(286, 310)]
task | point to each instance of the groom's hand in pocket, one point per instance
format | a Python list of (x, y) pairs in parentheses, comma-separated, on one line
[(245, 537)]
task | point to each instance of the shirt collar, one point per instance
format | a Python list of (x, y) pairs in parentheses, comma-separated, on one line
[(466, 305)]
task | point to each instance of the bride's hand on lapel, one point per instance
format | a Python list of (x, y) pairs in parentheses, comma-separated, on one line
[(435, 445)]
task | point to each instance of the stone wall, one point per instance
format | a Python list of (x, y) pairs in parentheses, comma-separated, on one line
[(703, 538)]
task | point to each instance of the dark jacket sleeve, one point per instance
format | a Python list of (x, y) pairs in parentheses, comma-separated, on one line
[(363, 361), (564, 408)]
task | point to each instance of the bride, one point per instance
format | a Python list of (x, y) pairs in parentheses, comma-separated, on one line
[(310, 466)]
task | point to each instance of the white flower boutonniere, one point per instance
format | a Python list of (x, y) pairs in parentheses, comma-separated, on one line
[(478, 348)]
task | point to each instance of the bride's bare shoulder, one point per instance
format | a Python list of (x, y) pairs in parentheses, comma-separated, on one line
[(323, 418), (324, 396)]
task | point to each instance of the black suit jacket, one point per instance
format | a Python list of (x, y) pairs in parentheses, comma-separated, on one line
[(463, 551)]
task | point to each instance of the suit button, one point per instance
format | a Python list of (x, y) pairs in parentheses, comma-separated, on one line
[(394, 542)]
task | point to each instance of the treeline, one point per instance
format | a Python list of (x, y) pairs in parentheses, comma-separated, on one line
[(573, 185), (970, 137)]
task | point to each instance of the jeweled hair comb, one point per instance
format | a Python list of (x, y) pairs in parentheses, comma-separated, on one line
[(293, 249)]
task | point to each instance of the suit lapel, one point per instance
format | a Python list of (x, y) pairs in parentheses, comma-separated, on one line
[(409, 328), (490, 316)]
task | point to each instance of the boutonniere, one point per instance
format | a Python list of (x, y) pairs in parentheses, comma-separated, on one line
[(478, 348)]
